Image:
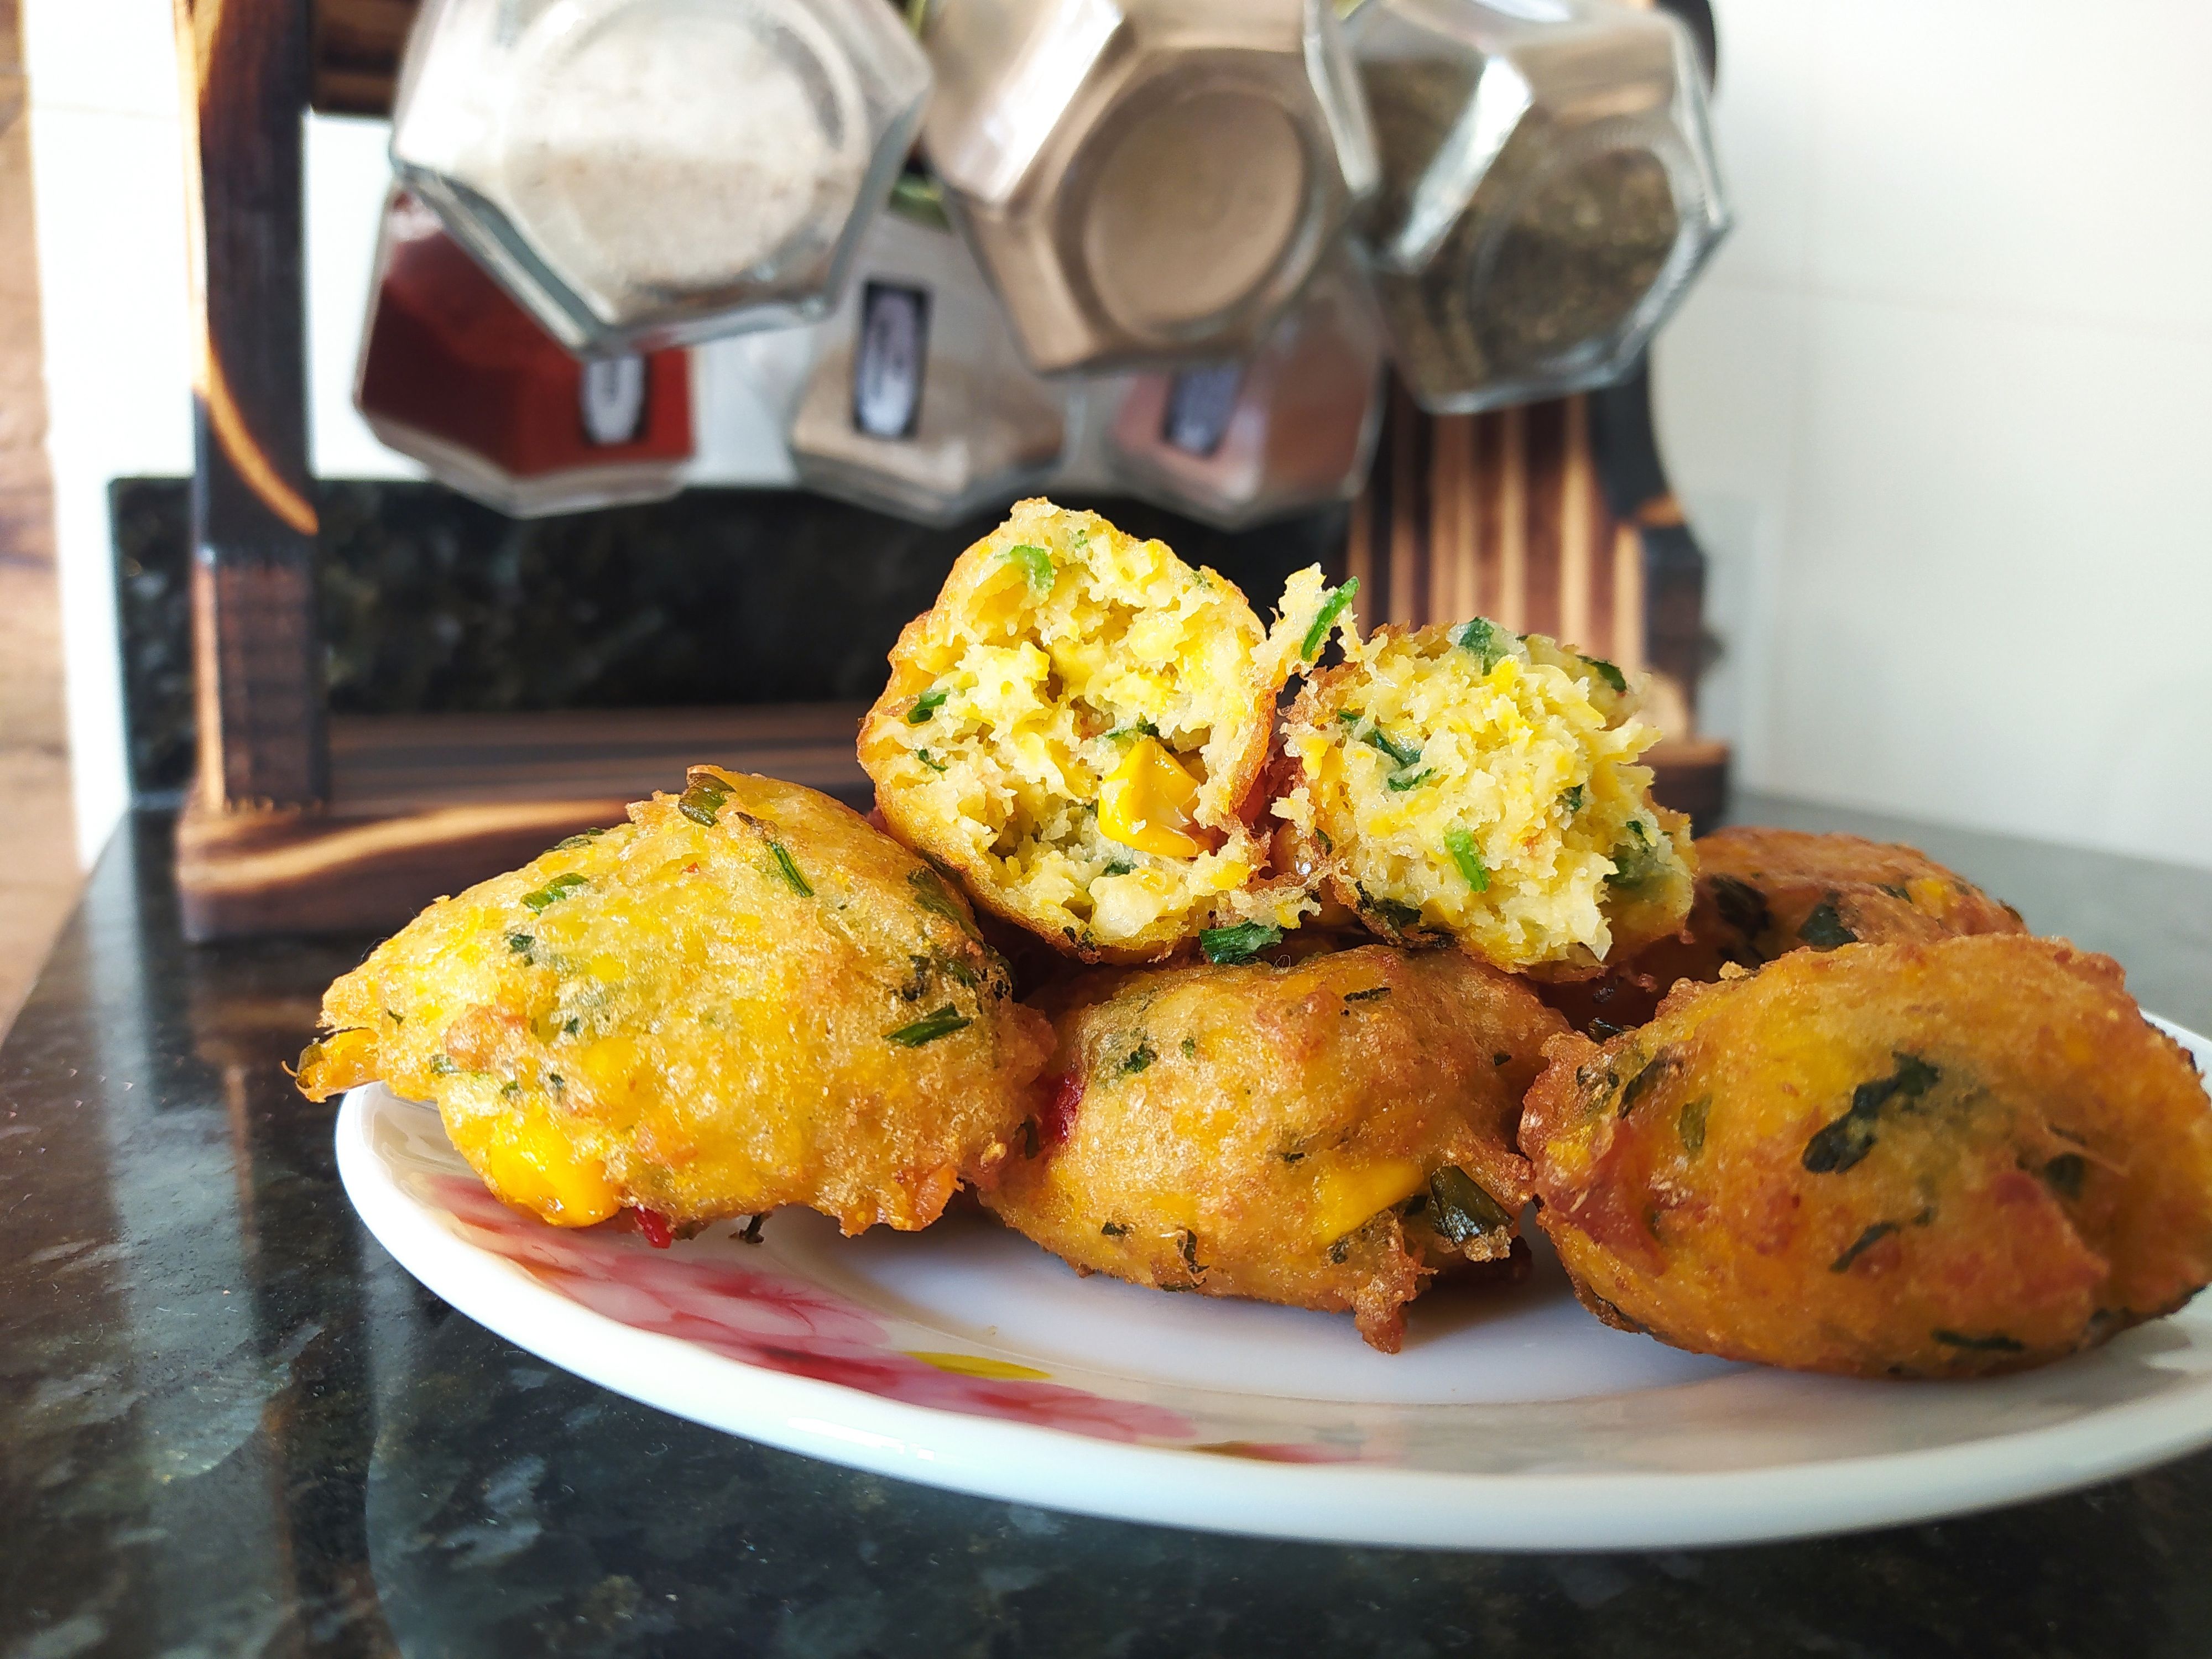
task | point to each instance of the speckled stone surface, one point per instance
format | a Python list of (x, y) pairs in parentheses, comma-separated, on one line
[(230, 1424)]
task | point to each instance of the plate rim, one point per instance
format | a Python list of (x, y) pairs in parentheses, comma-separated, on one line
[(1360, 1503)]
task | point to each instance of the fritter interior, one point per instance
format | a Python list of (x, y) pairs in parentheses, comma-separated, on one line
[(1076, 727), (745, 997), (1933, 1159), (1326, 1134), (1483, 785)]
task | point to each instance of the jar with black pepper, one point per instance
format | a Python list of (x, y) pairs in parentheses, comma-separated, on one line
[(1548, 189), (920, 404), (649, 173), (1146, 181), (1292, 428)]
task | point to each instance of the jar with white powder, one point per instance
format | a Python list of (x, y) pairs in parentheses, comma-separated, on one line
[(647, 173)]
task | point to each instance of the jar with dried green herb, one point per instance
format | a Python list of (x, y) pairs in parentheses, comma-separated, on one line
[(1547, 190)]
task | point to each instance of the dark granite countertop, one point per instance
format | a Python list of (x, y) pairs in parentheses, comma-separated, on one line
[(230, 1425)]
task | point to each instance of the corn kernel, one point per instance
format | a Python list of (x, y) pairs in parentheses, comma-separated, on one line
[(1145, 803), (1348, 1196), (536, 1166)]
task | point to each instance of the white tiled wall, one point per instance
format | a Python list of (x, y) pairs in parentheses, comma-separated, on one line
[(1936, 408), (1938, 411)]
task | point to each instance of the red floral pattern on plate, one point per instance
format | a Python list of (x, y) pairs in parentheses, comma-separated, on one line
[(780, 1324)]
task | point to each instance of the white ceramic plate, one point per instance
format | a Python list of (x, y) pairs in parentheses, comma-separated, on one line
[(965, 1357)]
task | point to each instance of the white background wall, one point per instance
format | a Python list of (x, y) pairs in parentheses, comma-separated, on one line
[(1936, 408)]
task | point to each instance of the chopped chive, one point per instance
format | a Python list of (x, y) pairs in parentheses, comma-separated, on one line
[(1372, 994), (1135, 729), (572, 1024), (1112, 1229), (1120, 867), (1859, 1246), (1997, 1344), (1376, 738), (556, 890), (930, 1027), (929, 760), (1606, 672), (1572, 799), (1036, 563), (929, 892), (1466, 854), (1490, 644), (1138, 1058), (520, 943), (1463, 1210), (702, 801), (1636, 861), (789, 871), (1190, 1048), (441, 1066), (1400, 781), (1690, 1123), (1325, 618), (926, 705), (1823, 929), (1240, 943), (583, 838)]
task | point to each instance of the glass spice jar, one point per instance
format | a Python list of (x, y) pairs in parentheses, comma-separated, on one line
[(1548, 189), (649, 173), (1234, 443), (454, 373), (1145, 181), (920, 404)]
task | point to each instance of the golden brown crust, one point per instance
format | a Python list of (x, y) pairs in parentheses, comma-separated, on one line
[(1275, 1133), (742, 998), (1923, 1159)]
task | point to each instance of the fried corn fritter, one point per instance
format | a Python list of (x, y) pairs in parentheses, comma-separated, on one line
[(1076, 727), (1934, 1159), (1762, 893), (1326, 1134), (745, 997), (1481, 784)]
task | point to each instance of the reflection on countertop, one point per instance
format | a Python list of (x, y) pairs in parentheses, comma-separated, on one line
[(231, 1424)]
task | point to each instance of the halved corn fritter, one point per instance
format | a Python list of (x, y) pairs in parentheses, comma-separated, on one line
[(744, 997), (1077, 727), (1480, 784)]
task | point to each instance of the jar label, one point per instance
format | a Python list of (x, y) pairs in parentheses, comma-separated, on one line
[(612, 399), (887, 361), (1199, 403)]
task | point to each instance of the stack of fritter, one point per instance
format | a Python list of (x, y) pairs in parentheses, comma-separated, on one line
[(1290, 979)]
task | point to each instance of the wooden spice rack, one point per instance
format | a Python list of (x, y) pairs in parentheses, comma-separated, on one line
[(1555, 517)]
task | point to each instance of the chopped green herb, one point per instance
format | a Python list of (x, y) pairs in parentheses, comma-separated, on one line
[(1114, 1228), (1466, 854), (702, 801), (2064, 1174), (1135, 729), (1572, 799), (1463, 1210), (1636, 861), (926, 705), (929, 760), (1742, 906), (1638, 1086), (1844, 1141), (1325, 618), (557, 1081), (584, 838), (1137, 1059), (1999, 1343), (1823, 929), (788, 871), (1120, 867), (441, 1066), (1398, 782), (520, 943), (1606, 672), (1376, 738), (1372, 994), (1859, 1246), (1394, 914), (930, 1027), (396, 1018), (1036, 563), (510, 1087), (1292, 1157), (1501, 1059), (1240, 943), (1189, 1245), (1690, 1123), (1490, 643), (1341, 1250), (555, 890), (1190, 1049), (572, 1026), (1030, 1144), (1326, 845), (1605, 1030), (1895, 889), (929, 892)]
